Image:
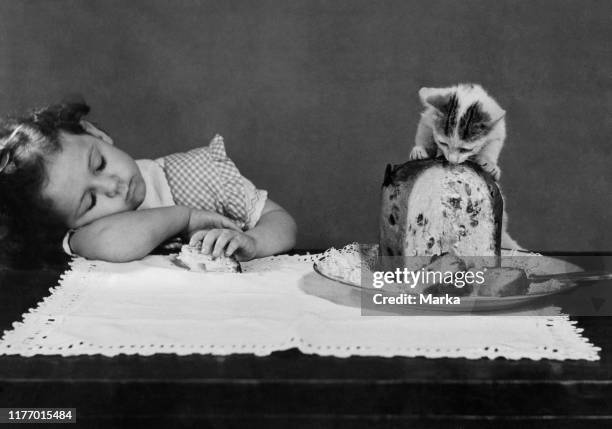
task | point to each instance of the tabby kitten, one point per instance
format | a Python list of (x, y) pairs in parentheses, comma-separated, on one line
[(461, 122)]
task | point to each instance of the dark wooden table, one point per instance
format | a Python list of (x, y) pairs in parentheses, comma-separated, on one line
[(290, 389)]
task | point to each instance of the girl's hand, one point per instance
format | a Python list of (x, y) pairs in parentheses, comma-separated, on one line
[(205, 219), (218, 242)]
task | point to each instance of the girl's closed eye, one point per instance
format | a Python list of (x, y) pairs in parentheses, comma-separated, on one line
[(101, 164), (93, 201), (96, 161)]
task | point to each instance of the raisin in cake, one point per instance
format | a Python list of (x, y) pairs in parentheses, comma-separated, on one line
[(432, 207)]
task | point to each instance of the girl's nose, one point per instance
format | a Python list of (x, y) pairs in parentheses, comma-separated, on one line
[(110, 186)]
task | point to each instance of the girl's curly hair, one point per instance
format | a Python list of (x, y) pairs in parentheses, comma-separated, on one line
[(29, 228)]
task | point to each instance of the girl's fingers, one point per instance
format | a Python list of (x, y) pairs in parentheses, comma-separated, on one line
[(221, 221), (210, 220), (209, 240), (226, 223), (197, 237), (233, 246), (221, 242)]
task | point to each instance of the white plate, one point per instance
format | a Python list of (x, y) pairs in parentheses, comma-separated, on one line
[(476, 303)]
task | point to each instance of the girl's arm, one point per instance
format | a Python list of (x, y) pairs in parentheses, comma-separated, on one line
[(132, 235), (274, 233)]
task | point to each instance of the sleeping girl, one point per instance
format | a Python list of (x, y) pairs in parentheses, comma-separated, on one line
[(62, 180)]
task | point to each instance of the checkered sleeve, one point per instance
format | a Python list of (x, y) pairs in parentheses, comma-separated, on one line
[(206, 178)]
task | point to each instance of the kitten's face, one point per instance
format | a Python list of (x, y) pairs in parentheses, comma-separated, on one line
[(462, 118), (455, 150)]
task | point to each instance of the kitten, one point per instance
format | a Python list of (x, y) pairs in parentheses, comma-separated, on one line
[(461, 122)]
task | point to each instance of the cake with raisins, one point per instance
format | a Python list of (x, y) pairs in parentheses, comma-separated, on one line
[(431, 207)]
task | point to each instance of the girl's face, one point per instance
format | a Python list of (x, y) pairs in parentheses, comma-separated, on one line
[(89, 179)]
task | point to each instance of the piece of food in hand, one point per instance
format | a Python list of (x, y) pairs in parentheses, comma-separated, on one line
[(503, 281), (195, 260)]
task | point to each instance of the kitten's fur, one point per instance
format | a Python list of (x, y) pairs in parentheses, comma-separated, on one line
[(460, 123)]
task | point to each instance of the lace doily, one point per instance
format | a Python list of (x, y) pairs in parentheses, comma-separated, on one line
[(151, 306)]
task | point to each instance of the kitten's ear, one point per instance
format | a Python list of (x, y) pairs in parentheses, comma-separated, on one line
[(435, 97), (496, 116)]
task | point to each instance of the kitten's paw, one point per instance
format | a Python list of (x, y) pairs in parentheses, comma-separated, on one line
[(493, 170), (418, 152), (496, 173), (490, 167)]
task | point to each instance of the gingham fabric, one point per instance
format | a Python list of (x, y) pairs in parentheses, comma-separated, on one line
[(205, 178)]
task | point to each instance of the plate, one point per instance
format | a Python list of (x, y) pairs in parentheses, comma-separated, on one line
[(541, 265)]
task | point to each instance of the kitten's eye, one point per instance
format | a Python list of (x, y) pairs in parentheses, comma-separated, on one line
[(442, 143), (102, 164), (462, 150)]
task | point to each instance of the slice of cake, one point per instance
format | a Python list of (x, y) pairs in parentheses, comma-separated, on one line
[(191, 258), (431, 207), (504, 281)]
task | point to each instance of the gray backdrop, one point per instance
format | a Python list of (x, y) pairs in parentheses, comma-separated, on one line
[(315, 97)]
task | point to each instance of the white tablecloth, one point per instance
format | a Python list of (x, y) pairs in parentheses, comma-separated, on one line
[(151, 306)]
